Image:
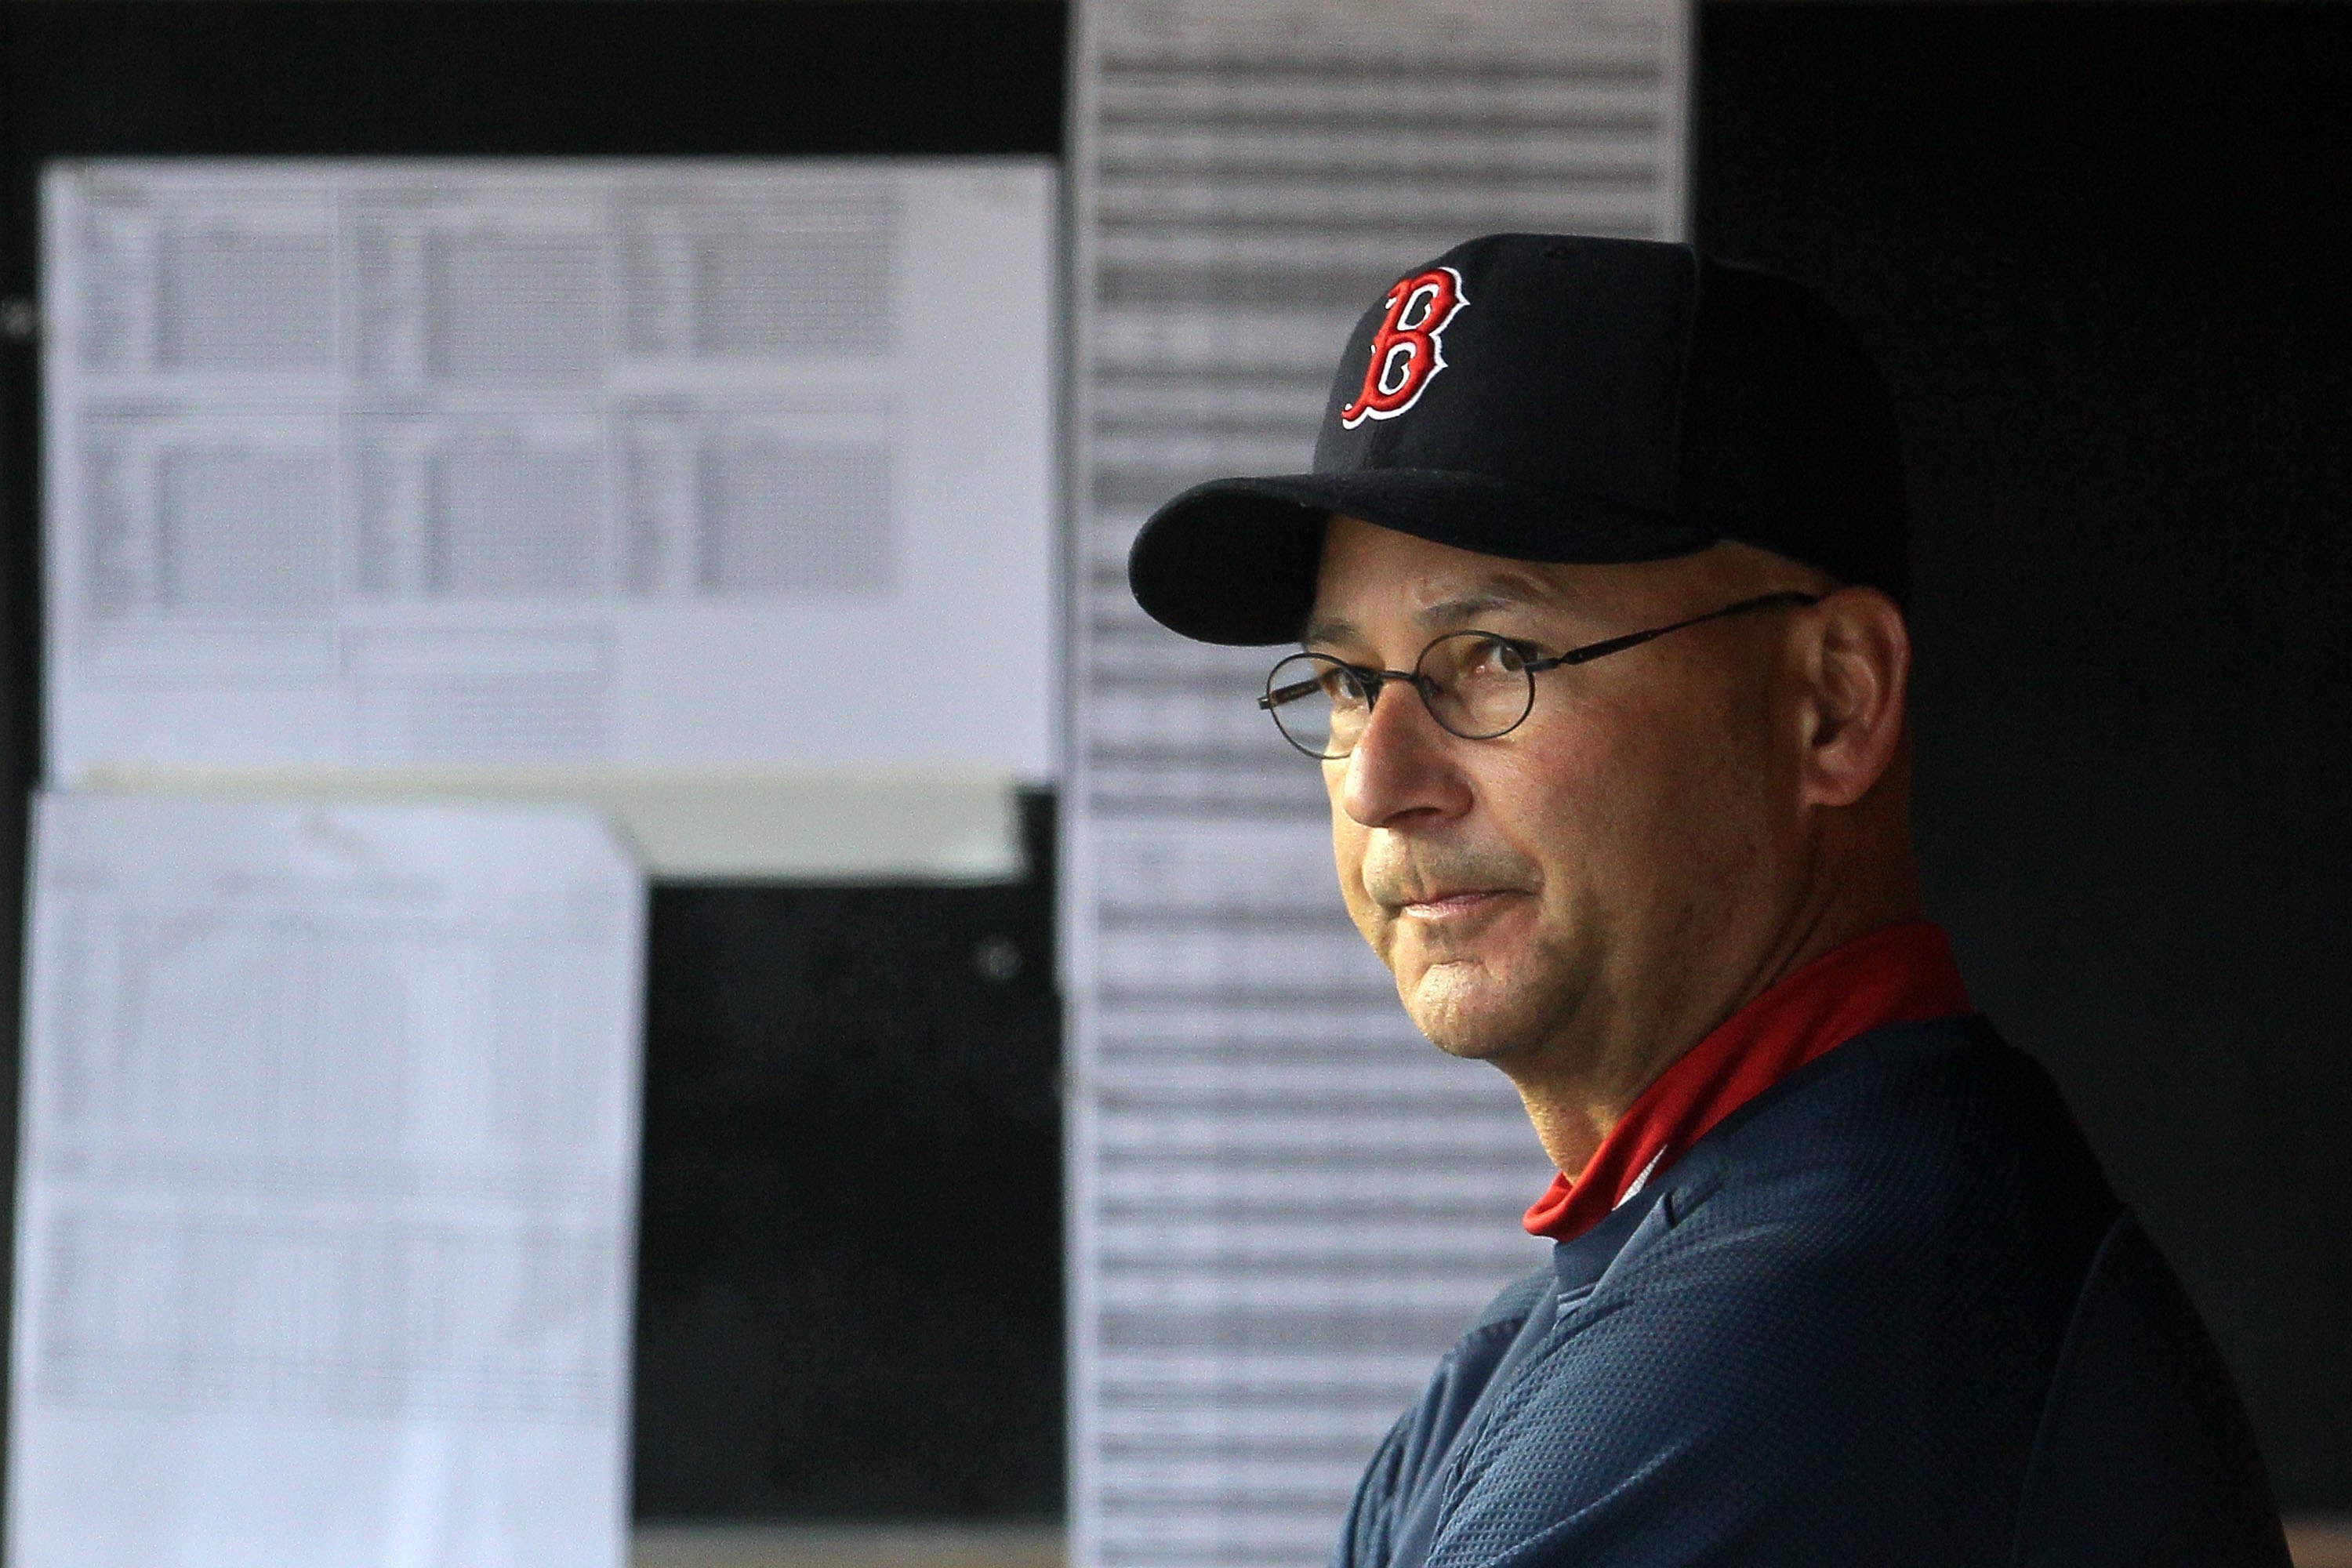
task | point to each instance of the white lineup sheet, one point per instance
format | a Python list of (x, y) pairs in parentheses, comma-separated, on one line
[(1284, 1203), (326, 1187), (686, 464)]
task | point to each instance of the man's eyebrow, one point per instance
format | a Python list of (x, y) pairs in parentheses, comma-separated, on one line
[(1502, 593), (1499, 593), (1328, 630)]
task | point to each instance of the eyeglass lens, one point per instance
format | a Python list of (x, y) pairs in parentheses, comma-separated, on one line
[(1477, 686)]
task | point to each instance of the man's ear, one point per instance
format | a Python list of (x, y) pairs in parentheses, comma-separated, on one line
[(1856, 670)]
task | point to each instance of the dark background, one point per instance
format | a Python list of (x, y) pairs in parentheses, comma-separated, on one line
[(2103, 254), (849, 1286)]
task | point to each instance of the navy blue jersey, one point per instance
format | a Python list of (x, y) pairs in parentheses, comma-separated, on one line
[(1888, 1312)]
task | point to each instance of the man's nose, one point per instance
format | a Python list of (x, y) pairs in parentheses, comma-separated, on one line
[(1404, 766)]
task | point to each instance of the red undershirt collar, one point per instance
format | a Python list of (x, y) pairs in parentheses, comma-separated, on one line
[(1897, 975)]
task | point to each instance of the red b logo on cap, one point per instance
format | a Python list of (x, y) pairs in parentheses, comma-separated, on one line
[(1407, 350)]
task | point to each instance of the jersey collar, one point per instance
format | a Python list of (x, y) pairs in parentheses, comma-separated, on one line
[(1897, 975)]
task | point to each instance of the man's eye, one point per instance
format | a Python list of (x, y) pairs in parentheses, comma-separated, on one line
[(1494, 655), (1343, 686)]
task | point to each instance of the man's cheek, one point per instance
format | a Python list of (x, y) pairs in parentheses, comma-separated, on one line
[(1369, 918), (1375, 924)]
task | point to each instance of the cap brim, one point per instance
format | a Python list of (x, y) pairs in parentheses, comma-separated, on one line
[(1234, 561)]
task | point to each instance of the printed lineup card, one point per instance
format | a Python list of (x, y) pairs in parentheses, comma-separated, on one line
[(326, 1187), (646, 465)]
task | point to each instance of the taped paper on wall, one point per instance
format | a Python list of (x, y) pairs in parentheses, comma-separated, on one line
[(639, 464), (326, 1187)]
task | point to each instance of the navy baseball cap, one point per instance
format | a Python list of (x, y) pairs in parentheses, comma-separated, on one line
[(1553, 398)]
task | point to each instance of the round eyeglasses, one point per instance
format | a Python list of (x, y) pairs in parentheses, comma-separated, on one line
[(1476, 685)]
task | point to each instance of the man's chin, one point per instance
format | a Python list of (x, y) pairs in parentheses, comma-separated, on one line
[(1465, 1012)]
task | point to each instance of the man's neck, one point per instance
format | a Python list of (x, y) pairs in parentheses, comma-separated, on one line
[(1576, 1092)]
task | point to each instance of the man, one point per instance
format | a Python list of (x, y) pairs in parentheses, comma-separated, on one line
[(1599, 578)]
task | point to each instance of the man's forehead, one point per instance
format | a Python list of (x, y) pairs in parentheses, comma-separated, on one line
[(1376, 573)]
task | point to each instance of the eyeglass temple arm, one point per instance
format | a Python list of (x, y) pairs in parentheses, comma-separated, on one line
[(1374, 680), (1282, 694), (1592, 651)]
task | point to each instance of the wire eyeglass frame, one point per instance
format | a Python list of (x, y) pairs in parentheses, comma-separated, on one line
[(1303, 676)]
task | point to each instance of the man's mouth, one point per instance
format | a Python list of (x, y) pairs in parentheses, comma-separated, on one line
[(1453, 905)]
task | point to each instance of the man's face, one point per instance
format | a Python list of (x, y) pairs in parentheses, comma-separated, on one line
[(1533, 892)]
